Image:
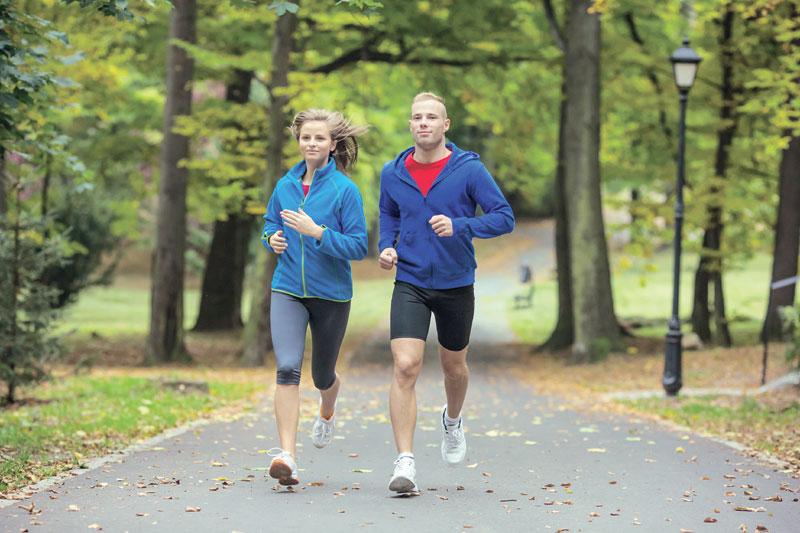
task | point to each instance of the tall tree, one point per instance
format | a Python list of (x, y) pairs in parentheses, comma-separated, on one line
[(596, 329), (165, 340), (787, 226), (709, 270), (258, 340), (223, 277), (563, 333)]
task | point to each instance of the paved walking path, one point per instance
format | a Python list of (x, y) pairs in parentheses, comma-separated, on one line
[(532, 465)]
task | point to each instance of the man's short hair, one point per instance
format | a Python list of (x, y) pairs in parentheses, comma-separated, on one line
[(423, 96)]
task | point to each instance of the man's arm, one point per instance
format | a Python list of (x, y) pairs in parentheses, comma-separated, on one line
[(498, 218), (388, 218)]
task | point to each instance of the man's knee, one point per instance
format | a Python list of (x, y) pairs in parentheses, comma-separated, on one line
[(455, 369), (406, 369)]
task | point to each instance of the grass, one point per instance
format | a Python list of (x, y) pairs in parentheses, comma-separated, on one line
[(60, 423), (644, 291), (768, 424)]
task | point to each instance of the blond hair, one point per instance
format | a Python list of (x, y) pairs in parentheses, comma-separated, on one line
[(342, 131), (427, 95)]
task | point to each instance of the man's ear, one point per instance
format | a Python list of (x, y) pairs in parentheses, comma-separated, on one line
[(446, 124)]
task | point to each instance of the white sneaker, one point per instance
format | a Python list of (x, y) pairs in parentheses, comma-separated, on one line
[(284, 468), (322, 432), (405, 472), (454, 444)]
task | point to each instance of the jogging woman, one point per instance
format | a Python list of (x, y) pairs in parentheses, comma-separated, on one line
[(315, 224)]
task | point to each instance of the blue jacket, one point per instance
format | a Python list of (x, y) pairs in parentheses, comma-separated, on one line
[(309, 268), (423, 259)]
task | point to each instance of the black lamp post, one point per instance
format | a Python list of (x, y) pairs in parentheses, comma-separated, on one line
[(685, 62)]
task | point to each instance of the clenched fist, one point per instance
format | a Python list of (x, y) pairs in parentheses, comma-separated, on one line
[(278, 242), (388, 258)]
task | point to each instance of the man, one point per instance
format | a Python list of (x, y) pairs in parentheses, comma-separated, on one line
[(428, 200)]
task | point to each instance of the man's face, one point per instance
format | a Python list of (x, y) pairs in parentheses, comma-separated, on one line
[(428, 123)]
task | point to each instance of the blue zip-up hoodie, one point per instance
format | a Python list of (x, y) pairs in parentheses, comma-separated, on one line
[(309, 268), (423, 258)]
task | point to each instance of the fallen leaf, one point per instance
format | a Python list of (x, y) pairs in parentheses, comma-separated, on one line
[(710, 520), (680, 449), (761, 528), (192, 509), (596, 450), (95, 526), (473, 465), (73, 508), (352, 455), (362, 470), (749, 509), (142, 514), (441, 497), (775, 498)]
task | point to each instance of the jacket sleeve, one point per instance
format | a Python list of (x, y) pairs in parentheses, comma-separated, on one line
[(351, 242), (389, 217), (498, 218), (272, 219)]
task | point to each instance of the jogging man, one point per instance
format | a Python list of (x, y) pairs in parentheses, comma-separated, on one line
[(428, 200)]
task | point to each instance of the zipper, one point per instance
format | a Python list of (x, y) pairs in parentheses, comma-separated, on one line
[(302, 237)]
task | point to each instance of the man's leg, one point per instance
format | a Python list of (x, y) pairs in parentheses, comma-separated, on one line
[(407, 354), (456, 378)]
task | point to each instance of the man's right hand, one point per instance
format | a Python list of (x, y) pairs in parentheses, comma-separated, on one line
[(278, 242), (388, 258)]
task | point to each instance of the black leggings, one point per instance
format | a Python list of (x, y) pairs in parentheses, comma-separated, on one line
[(290, 317)]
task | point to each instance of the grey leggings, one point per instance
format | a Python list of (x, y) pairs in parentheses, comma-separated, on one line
[(289, 320)]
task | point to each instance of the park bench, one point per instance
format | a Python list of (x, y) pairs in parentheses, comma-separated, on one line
[(524, 300)]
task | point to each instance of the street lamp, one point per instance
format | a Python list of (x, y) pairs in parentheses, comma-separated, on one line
[(685, 62)]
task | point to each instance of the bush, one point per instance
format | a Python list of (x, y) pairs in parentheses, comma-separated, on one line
[(27, 310), (85, 219)]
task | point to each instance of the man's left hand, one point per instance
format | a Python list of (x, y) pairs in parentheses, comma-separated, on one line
[(301, 222), (442, 225)]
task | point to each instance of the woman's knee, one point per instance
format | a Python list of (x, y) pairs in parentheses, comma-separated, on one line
[(288, 375)]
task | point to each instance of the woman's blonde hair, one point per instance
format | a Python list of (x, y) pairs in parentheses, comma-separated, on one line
[(343, 132)]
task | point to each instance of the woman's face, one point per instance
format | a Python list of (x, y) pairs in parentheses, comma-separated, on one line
[(315, 143)]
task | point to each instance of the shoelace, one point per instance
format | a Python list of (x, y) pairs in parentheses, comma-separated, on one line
[(408, 462), (453, 435)]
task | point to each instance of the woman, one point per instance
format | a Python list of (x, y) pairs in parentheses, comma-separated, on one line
[(315, 224)]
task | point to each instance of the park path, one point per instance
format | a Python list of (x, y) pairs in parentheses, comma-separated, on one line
[(533, 464)]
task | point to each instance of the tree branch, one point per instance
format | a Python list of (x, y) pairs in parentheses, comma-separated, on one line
[(555, 29)]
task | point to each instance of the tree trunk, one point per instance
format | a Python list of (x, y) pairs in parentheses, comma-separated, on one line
[(563, 335), (787, 237), (372, 238), (257, 338), (711, 260), (165, 341), (223, 278), (596, 329)]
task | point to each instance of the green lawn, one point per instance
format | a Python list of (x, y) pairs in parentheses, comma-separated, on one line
[(75, 417), (645, 291), (121, 310)]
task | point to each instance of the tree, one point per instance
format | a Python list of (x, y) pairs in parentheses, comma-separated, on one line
[(258, 339), (223, 277), (563, 333), (710, 269), (787, 225), (165, 340), (596, 329)]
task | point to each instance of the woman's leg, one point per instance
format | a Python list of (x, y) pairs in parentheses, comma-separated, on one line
[(328, 321), (288, 321)]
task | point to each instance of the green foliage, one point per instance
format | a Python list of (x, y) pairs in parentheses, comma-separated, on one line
[(85, 218), (790, 318), (27, 313), (281, 8)]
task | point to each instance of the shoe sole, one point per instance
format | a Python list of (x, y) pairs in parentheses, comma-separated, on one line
[(402, 485), (281, 471)]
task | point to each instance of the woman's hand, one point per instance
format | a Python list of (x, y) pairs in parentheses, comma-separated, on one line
[(301, 222), (278, 242)]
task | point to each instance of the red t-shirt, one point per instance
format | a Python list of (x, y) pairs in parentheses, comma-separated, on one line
[(306, 188), (425, 174)]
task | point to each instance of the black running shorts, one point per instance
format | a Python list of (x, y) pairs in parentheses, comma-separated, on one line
[(453, 309)]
